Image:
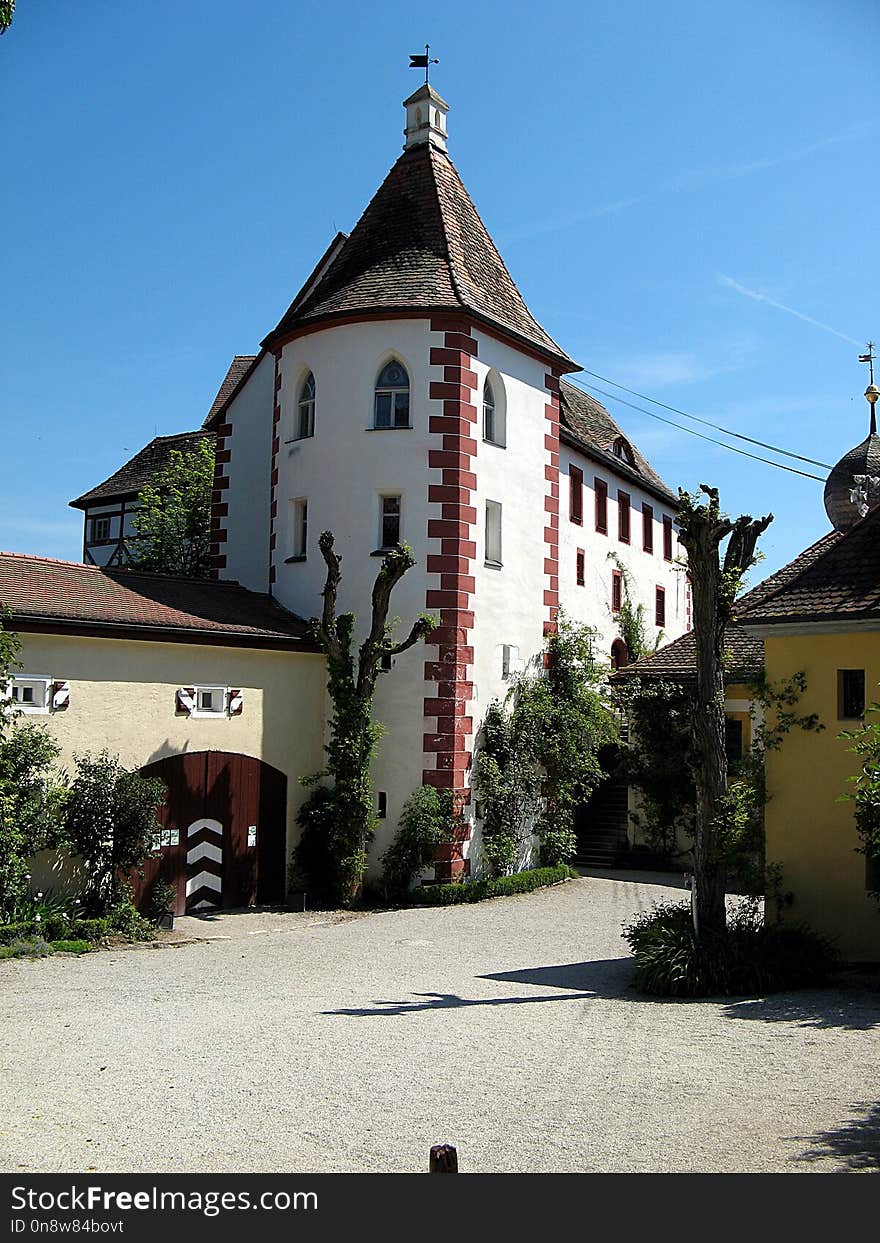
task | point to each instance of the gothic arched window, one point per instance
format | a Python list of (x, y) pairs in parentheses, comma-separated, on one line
[(305, 420), (391, 404)]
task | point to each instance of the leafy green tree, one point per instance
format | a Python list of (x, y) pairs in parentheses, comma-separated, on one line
[(29, 801), (866, 795), (7, 12), (110, 822), (173, 521), (351, 682)]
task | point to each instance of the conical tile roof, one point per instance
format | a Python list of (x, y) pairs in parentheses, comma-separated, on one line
[(420, 245)]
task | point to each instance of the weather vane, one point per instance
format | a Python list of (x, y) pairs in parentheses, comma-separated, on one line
[(869, 359), (423, 62)]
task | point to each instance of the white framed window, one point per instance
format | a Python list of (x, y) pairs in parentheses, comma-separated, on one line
[(30, 694), (390, 514), (209, 701), (305, 410), (166, 837), (100, 530), (299, 528), (494, 430), (493, 533), (391, 398)]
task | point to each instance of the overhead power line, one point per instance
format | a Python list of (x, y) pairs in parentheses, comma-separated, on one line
[(692, 432), (706, 423)]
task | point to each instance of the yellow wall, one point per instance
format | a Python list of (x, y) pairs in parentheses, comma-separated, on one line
[(811, 835), (122, 698)]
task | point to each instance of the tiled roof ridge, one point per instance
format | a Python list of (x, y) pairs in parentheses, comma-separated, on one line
[(453, 274), (787, 575), (116, 570)]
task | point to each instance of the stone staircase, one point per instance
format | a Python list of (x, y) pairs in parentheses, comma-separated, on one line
[(601, 827)]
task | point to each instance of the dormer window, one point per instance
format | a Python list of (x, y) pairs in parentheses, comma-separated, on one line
[(622, 449), (305, 411), (391, 407), (493, 418)]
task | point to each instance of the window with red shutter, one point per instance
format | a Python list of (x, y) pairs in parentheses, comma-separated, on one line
[(667, 538), (660, 607), (623, 508), (576, 495), (647, 527), (601, 488), (580, 567), (616, 591)]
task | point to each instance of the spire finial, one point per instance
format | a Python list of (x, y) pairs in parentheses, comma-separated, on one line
[(871, 392)]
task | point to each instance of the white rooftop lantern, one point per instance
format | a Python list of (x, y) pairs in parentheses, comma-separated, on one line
[(425, 118)]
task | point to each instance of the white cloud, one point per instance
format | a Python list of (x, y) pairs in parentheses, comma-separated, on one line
[(756, 296)]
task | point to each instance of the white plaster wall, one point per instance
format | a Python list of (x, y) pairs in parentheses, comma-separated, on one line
[(341, 470), (249, 468), (122, 698), (509, 602), (647, 571)]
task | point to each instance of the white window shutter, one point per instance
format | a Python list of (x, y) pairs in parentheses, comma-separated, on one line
[(186, 699), (236, 703), (60, 695)]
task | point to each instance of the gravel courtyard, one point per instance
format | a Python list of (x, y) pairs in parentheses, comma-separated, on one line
[(311, 1043)]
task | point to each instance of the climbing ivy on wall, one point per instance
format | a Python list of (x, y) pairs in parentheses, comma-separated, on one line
[(538, 755)]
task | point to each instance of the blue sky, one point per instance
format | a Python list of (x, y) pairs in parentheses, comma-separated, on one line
[(663, 179)]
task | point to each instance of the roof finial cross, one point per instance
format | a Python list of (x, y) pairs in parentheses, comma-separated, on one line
[(423, 62), (871, 392), (869, 358)]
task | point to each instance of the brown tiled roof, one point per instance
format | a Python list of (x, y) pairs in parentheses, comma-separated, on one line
[(744, 651), (591, 429), (837, 579), (238, 369), (677, 662), (66, 596), (142, 468), (420, 245)]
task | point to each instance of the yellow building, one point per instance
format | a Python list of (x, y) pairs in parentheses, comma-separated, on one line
[(823, 619), (213, 688)]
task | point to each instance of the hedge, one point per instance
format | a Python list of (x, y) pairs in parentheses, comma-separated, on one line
[(500, 887)]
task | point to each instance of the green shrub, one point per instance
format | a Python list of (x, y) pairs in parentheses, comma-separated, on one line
[(427, 821), (752, 956), (497, 887), (32, 947), (92, 930), (71, 947), (12, 932), (125, 920)]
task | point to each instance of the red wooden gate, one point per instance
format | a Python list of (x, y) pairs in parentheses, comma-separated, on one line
[(224, 831)]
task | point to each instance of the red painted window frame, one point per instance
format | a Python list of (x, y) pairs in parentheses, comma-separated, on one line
[(576, 495), (647, 527), (660, 606), (616, 591), (601, 493), (580, 567), (667, 538), (624, 516)]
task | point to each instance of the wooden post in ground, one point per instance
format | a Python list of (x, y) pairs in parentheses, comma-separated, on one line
[(443, 1159)]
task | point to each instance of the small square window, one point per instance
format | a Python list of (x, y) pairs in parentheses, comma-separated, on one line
[(100, 530), (210, 701), (30, 695), (850, 694)]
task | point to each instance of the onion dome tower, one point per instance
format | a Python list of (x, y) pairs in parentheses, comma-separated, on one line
[(853, 487)]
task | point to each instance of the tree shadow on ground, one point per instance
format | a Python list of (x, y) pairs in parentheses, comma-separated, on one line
[(581, 981), (856, 1142), (846, 1007)]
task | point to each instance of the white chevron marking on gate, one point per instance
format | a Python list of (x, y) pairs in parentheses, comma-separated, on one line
[(205, 850), (213, 826), (202, 880)]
